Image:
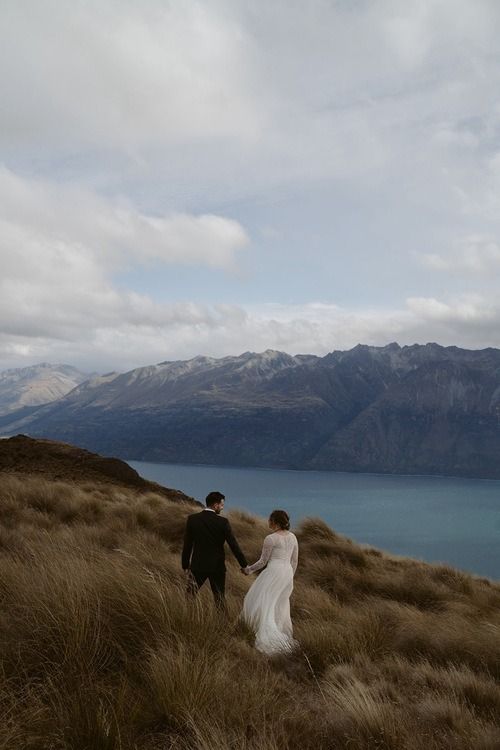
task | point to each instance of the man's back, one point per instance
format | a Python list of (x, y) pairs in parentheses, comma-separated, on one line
[(206, 533), (203, 550)]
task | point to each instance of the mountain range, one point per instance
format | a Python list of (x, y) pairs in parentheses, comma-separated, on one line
[(40, 384), (421, 409)]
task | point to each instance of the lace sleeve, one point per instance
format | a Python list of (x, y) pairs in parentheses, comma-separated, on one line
[(264, 557), (295, 555)]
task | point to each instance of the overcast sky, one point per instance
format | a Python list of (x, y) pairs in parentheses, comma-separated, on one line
[(182, 178)]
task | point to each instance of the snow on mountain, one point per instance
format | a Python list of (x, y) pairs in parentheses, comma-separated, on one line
[(39, 384)]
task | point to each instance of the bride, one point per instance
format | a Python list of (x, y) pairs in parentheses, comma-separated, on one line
[(266, 608)]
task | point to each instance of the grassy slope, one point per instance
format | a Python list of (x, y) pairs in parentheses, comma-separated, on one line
[(99, 649), (50, 459)]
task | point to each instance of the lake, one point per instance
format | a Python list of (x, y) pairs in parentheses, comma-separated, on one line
[(438, 519)]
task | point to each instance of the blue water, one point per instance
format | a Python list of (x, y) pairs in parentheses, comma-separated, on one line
[(438, 519)]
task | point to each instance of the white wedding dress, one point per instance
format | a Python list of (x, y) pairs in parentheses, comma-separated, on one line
[(266, 608)]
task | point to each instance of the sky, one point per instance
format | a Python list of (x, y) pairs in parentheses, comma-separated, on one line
[(183, 178)]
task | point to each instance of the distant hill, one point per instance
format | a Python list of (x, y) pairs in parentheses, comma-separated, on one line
[(423, 409), (40, 384)]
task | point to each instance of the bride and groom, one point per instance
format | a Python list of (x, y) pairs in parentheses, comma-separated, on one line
[(266, 608)]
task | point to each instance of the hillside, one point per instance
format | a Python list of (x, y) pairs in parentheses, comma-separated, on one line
[(413, 409), (47, 459), (40, 384), (99, 648)]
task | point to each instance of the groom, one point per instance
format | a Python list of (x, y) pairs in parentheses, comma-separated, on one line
[(203, 551)]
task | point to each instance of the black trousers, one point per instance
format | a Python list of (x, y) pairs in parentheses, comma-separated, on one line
[(217, 580)]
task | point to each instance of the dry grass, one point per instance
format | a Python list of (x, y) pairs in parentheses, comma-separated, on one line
[(99, 649)]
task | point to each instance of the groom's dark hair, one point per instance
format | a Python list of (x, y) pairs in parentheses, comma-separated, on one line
[(214, 497)]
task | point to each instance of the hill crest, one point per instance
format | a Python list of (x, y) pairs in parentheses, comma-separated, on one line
[(56, 461)]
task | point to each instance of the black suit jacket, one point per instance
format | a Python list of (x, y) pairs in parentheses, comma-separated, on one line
[(204, 540)]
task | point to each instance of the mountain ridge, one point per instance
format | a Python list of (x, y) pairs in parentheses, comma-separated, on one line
[(423, 409)]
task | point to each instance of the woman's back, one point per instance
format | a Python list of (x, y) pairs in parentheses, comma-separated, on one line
[(284, 547)]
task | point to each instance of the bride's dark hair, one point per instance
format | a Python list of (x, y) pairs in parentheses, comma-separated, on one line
[(281, 519)]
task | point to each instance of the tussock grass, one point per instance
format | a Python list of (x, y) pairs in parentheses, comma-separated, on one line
[(100, 650)]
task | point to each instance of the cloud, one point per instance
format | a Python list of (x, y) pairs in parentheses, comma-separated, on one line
[(132, 332), (478, 254), (270, 93), (467, 310), (455, 136), (113, 232), (127, 125), (119, 73), (61, 245)]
